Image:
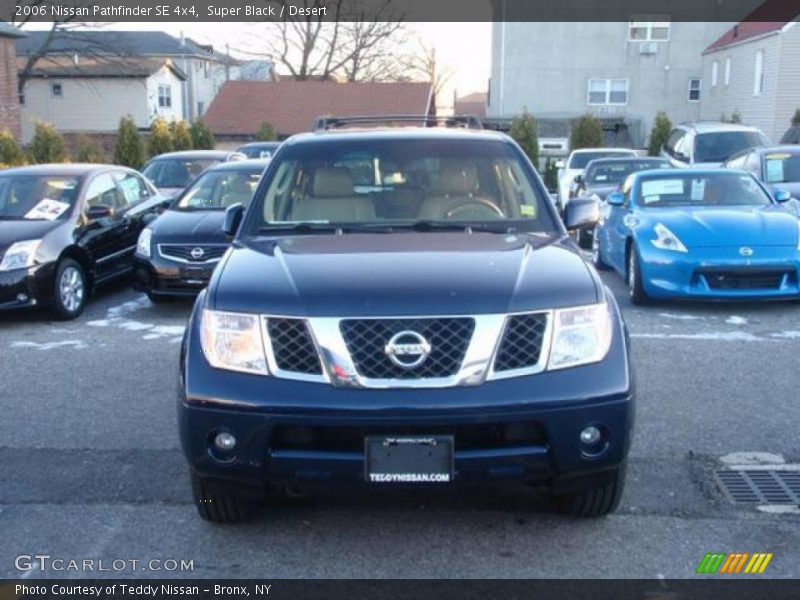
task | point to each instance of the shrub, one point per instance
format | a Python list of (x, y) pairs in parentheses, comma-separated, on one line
[(266, 133), (181, 136), (796, 118), (160, 137), (11, 154), (129, 149), (551, 175), (523, 130), (587, 132), (662, 127), (202, 138), (48, 145), (88, 150)]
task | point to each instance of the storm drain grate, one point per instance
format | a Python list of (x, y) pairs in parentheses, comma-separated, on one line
[(760, 486)]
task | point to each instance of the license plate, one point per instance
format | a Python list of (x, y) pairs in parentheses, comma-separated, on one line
[(409, 459)]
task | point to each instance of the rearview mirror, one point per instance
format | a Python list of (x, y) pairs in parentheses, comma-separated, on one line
[(781, 195), (233, 218), (581, 213), (99, 211), (616, 199)]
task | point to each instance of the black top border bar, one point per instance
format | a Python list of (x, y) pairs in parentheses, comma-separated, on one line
[(93, 11)]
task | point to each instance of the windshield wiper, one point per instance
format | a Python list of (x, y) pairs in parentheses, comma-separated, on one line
[(425, 225), (302, 227)]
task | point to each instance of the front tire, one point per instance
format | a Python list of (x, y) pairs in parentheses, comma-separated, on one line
[(220, 502), (636, 290), (70, 289), (597, 501)]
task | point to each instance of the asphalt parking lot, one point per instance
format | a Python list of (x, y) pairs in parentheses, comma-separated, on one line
[(90, 465)]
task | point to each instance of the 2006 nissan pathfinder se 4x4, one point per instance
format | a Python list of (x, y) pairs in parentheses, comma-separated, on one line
[(403, 306)]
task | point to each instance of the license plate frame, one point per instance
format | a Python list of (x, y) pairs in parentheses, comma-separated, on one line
[(408, 459)]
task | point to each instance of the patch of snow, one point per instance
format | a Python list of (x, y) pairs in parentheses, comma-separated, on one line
[(76, 344), (681, 317), (779, 509), (719, 336), (752, 458), (734, 320), (786, 335)]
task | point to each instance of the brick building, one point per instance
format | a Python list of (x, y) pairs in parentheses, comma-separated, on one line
[(9, 98)]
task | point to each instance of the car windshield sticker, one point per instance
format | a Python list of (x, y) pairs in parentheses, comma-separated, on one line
[(698, 190), (47, 209), (601, 177), (130, 187), (527, 210), (653, 189), (774, 170)]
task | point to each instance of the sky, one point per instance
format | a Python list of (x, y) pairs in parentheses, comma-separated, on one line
[(463, 48)]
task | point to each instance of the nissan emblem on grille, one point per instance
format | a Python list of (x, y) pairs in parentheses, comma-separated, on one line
[(408, 349), (746, 251), (197, 253)]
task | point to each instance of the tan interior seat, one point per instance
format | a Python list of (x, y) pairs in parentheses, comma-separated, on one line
[(333, 199), (458, 184), (238, 191)]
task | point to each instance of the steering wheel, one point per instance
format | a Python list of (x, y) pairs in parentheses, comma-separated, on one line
[(480, 203)]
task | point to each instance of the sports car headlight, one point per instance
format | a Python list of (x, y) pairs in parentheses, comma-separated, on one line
[(666, 240), (20, 255), (143, 246), (580, 336), (233, 341)]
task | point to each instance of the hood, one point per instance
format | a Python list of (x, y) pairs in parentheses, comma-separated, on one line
[(24, 229), (170, 192), (402, 275), (699, 227), (190, 226)]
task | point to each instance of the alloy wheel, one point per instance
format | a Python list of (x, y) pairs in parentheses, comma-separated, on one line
[(71, 288)]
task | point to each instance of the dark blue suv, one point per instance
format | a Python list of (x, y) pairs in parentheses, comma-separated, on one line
[(404, 307)]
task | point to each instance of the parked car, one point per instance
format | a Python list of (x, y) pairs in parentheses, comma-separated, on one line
[(699, 233), (259, 149), (777, 167), (437, 326), (177, 252), (707, 144), (605, 175), (171, 172), (575, 165), (65, 229)]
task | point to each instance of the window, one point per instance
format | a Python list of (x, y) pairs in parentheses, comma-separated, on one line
[(758, 82), (728, 71), (608, 92), (56, 90), (133, 188), (648, 31), (694, 90), (165, 96), (102, 191), (714, 73), (200, 107)]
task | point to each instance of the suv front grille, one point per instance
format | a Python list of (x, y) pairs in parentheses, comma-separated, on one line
[(366, 340), (292, 346), (522, 342), (183, 252)]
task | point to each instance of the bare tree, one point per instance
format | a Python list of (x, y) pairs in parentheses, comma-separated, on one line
[(422, 65)]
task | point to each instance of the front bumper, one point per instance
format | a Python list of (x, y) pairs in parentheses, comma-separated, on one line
[(22, 288), (539, 418), (159, 275), (721, 273)]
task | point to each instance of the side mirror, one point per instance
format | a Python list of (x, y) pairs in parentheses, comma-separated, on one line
[(233, 218), (616, 198), (99, 211), (581, 213), (166, 203), (781, 195), (578, 178)]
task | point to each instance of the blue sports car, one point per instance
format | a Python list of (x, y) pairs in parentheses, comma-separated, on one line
[(715, 234)]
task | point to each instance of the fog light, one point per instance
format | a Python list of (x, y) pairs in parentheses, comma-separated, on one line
[(590, 436), (224, 442)]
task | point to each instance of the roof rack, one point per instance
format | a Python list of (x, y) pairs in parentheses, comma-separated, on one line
[(454, 121)]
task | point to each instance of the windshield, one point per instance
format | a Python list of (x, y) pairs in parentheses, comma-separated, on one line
[(177, 172), (402, 183), (220, 189), (719, 146), (782, 167), (38, 197), (581, 159), (259, 151), (608, 173), (712, 189)]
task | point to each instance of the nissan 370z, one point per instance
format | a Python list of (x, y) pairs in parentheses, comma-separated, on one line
[(404, 307)]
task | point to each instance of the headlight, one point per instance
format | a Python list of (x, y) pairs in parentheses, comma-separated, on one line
[(666, 240), (143, 245), (233, 341), (20, 255), (580, 336), (798, 234)]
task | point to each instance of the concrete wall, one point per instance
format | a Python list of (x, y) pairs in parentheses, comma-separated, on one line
[(546, 68), (9, 99)]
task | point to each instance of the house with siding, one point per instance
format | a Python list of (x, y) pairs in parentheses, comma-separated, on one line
[(753, 70), (621, 72), (9, 100), (81, 95)]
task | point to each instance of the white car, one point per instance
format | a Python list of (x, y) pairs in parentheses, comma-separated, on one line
[(708, 144), (576, 165)]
